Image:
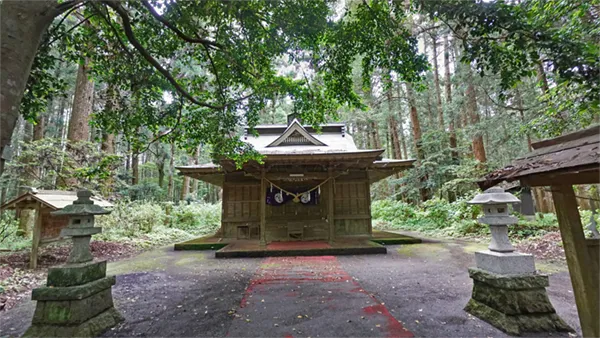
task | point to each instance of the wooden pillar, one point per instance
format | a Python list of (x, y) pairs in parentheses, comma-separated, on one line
[(368, 192), (330, 206), (578, 260), (37, 232), (263, 209)]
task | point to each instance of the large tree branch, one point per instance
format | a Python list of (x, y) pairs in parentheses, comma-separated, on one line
[(179, 33), (218, 80), (60, 22), (83, 20), (116, 6), (67, 5), (107, 20)]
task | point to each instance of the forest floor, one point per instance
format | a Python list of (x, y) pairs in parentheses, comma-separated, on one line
[(420, 288), (17, 280)]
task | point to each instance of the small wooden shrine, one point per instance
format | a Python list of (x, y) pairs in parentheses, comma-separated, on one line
[(560, 163), (47, 227), (312, 185)]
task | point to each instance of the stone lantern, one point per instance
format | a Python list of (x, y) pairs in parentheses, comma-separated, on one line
[(81, 226), (495, 203), (77, 300), (507, 291)]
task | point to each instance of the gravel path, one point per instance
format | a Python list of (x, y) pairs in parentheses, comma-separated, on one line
[(420, 288)]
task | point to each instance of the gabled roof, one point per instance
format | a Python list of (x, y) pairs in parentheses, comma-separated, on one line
[(55, 199), (300, 139), (569, 159), (295, 134), (297, 144)]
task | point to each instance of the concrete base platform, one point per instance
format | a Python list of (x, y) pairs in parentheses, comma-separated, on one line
[(509, 263), (252, 248), (351, 245)]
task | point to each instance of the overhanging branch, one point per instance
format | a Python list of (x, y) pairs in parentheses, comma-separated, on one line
[(116, 6), (179, 33)]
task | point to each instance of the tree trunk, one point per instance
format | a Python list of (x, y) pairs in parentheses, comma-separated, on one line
[(135, 167), (473, 114), (79, 127), (401, 123), (436, 79), (541, 75), (519, 103), (161, 173), (431, 116), (23, 25), (60, 119), (416, 128), (375, 134), (171, 169), (194, 187), (39, 128), (185, 188), (396, 150), (448, 84), (393, 126), (108, 143), (414, 119)]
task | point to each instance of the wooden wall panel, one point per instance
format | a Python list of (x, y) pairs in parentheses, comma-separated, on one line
[(52, 225), (352, 227), (352, 209), (241, 208)]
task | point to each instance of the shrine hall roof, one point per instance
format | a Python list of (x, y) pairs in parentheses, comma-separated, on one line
[(300, 144), (300, 139)]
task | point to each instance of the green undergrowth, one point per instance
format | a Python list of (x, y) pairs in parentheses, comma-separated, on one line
[(440, 218), (149, 224), (10, 240)]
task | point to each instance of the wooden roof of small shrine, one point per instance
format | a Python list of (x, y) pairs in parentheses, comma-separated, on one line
[(569, 159), (297, 144), (54, 199)]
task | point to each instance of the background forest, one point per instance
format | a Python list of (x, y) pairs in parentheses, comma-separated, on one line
[(461, 86)]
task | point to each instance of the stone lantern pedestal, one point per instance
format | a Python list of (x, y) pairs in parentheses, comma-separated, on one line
[(507, 291), (77, 300)]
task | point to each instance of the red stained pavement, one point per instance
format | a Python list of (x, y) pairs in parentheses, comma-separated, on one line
[(311, 296)]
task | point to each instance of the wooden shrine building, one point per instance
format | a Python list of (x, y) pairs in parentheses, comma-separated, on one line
[(311, 186), (46, 227), (560, 163)]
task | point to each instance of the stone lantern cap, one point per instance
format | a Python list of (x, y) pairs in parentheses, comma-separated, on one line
[(494, 195), (83, 206)]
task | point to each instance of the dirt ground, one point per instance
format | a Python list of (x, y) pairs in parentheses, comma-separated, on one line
[(419, 289)]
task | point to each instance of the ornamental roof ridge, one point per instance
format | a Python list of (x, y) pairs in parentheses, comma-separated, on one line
[(295, 127)]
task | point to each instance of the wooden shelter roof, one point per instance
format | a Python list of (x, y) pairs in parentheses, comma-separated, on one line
[(54, 199), (569, 159)]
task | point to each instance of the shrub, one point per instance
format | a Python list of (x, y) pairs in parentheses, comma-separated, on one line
[(390, 210), (128, 220), (9, 238), (198, 217), (147, 191), (457, 219), (145, 223)]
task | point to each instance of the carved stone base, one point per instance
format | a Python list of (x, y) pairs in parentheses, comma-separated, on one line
[(514, 304), (84, 310), (90, 328)]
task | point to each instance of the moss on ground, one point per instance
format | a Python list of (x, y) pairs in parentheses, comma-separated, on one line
[(550, 267), (190, 260), (426, 250), (391, 238), (472, 247)]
